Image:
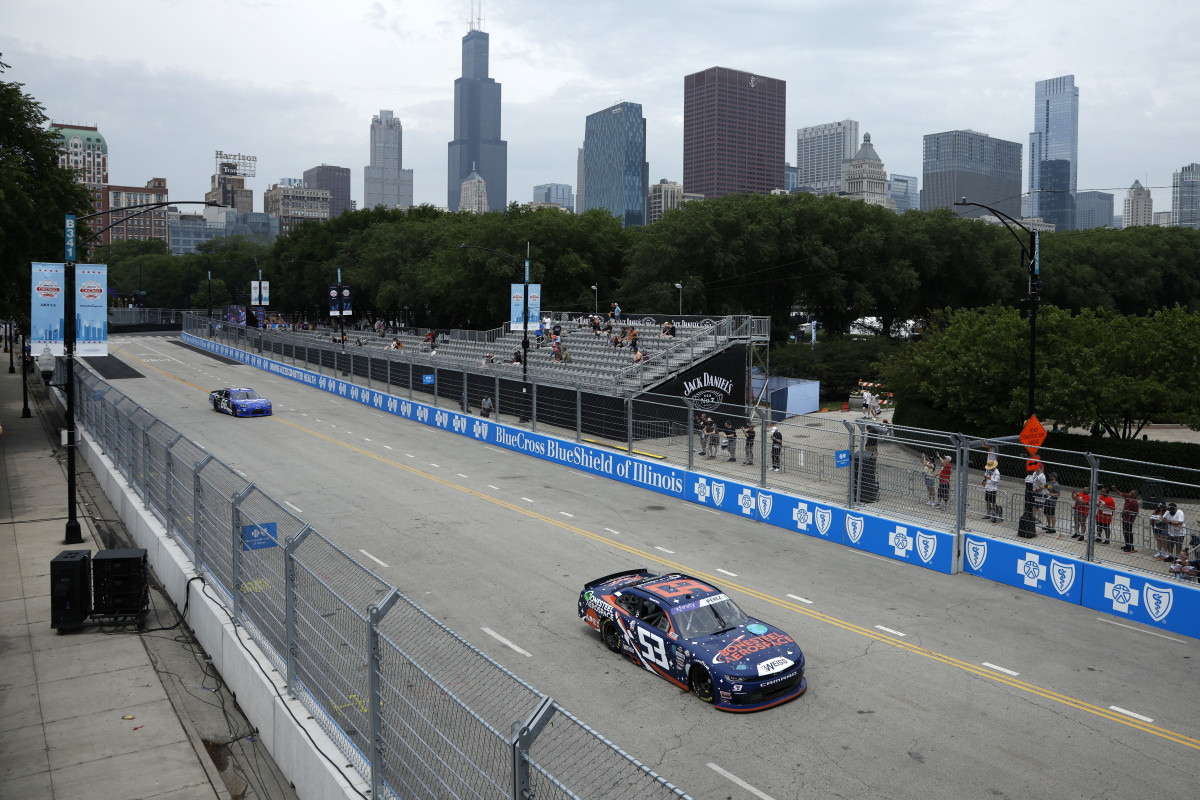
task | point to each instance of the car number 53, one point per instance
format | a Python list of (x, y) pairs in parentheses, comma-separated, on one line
[(653, 647)]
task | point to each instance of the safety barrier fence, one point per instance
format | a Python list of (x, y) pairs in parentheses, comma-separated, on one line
[(145, 316), (382, 677), (903, 493)]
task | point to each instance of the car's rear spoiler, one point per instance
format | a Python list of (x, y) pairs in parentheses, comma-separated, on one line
[(607, 578)]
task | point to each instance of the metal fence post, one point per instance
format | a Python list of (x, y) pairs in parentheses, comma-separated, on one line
[(289, 604), (578, 413), (533, 404), (496, 396), (523, 735), (236, 548), (963, 455), (850, 485), (145, 482), (1093, 486), (374, 615), (466, 398), (435, 387), (389, 376), (691, 436), (368, 372), (410, 389), (629, 421), (761, 413), (197, 528)]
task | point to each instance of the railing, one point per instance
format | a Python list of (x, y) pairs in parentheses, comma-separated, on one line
[(381, 676)]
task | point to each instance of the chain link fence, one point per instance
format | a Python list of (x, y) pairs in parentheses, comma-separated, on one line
[(415, 708)]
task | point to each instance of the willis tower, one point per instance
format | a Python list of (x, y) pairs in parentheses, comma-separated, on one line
[(477, 144)]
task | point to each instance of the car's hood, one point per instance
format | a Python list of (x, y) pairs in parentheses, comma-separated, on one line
[(753, 650)]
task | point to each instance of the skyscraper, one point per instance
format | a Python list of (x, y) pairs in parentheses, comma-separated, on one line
[(820, 151), (665, 196), (385, 181), (579, 202), (473, 194), (334, 179), (614, 162), (557, 193), (902, 189), (1138, 210), (1093, 210), (82, 148), (296, 204), (1055, 138), (733, 132), (958, 164), (477, 145), (864, 178), (1185, 196)]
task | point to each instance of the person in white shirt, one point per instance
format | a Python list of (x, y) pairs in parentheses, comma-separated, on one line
[(1176, 529), (991, 484)]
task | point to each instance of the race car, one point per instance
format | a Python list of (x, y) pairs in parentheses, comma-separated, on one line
[(689, 632), (240, 402)]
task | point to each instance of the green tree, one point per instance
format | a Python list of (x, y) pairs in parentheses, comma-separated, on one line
[(35, 194)]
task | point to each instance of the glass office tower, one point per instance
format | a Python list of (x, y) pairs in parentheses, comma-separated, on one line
[(1055, 137), (615, 170), (477, 144), (958, 164)]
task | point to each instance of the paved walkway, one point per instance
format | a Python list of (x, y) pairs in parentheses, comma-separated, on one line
[(83, 715)]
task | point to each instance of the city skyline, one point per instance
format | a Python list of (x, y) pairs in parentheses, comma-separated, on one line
[(556, 69)]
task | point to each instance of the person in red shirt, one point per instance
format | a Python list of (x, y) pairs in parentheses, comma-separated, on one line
[(1079, 516), (1105, 506), (944, 481)]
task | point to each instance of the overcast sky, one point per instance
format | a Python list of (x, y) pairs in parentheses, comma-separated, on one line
[(296, 83)]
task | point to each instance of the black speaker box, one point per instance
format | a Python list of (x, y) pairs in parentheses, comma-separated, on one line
[(70, 589), (119, 586)]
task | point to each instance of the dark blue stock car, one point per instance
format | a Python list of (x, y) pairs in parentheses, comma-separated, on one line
[(693, 635), (240, 403)]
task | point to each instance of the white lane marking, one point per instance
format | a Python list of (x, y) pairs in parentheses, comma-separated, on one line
[(526, 499), (614, 533), (565, 514), (461, 475), (1139, 630), (410, 455), (801, 599), (727, 572), (434, 465), (889, 630), (387, 447), (665, 550), (489, 447), (305, 414), (365, 439), (730, 776), (373, 558), (1001, 669), (877, 558), (297, 510), (505, 642), (497, 488), (1120, 710)]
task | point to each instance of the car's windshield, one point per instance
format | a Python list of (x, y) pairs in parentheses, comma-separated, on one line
[(708, 616), (244, 394)]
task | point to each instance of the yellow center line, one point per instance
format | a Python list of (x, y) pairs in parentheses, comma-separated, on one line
[(950, 661)]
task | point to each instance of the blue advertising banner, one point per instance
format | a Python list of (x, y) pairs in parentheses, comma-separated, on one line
[(339, 304), (802, 516), (259, 537), (46, 308), (1159, 601), (902, 542), (91, 310), (722, 494), (1030, 568), (517, 303)]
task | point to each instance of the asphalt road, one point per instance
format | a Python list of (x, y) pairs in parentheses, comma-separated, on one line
[(921, 685)]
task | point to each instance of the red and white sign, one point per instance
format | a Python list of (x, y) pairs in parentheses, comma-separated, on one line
[(91, 290), (48, 289)]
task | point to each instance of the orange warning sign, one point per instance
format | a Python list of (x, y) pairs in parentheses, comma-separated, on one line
[(1032, 435)]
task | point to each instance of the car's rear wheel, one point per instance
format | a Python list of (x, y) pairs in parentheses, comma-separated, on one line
[(702, 685), (215, 408), (610, 634)]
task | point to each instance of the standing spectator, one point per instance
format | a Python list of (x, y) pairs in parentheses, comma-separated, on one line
[(1050, 503), (710, 438), (776, 448), (944, 472), (731, 440), (751, 432), (1079, 517), (1158, 528), (485, 406), (866, 403), (1035, 483), (929, 472), (616, 312), (1105, 506), (701, 423), (991, 483), (1129, 512), (539, 335), (874, 405), (1176, 530)]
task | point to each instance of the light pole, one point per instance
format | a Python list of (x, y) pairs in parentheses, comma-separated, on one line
[(679, 286), (1031, 260), (9, 341), (525, 298), (595, 300)]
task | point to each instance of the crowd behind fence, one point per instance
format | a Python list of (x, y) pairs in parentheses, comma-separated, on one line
[(382, 677), (932, 478)]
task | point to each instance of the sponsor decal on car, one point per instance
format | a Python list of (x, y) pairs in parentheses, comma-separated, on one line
[(745, 647), (777, 664)]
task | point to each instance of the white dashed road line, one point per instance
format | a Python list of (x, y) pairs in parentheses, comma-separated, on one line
[(889, 630), (727, 572), (434, 465), (1139, 630), (297, 510), (1120, 710), (387, 447), (373, 558), (461, 475), (526, 499), (731, 777), (665, 550), (1001, 669), (801, 599), (565, 514), (497, 488), (614, 533), (505, 642)]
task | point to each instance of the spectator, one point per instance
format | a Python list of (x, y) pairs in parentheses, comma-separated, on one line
[(488, 360), (516, 357), (1176, 530), (608, 327), (929, 473), (1082, 509), (616, 312), (396, 344), (710, 438), (556, 330), (566, 356), (430, 336), (751, 432), (731, 440), (1158, 527), (1129, 513), (1050, 503), (485, 406), (991, 483), (540, 334), (944, 472), (874, 405), (701, 421), (637, 356), (866, 403), (1035, 483), (358, 342), (1105, 506), (776, 449)]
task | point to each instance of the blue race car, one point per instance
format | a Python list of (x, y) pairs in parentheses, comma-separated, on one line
[(240, 403), (695, 636)]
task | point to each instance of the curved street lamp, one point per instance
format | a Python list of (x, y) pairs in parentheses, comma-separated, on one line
[(1031, 260), (679, 286)]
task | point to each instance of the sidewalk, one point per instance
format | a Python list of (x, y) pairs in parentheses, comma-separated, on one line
[(82, 715)]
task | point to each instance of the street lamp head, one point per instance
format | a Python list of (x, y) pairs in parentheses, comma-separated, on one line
[(594, 289), (679, 286)]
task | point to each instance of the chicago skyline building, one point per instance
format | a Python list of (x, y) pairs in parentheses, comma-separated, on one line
[(733, 132), (385, 181), (336, 180), (1138, 210), (615, 170), (473, 194), (970, 164), (477, 145), (664, 196), (903, 191), (140, 224), (295, 204), (1054, 151), (82, 148), (820, 151), (559, 194), (1185, 196), (864, 178), (1093, 210), (579, 207)]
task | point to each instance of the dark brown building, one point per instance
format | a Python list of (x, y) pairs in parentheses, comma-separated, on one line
[(141, 224), (733, 132), (337, 181)]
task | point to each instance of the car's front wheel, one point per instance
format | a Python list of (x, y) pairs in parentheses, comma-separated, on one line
[(702, 685), (610, 634)]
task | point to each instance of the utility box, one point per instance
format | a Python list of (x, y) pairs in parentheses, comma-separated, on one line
[(120, 589), (70, 590)]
